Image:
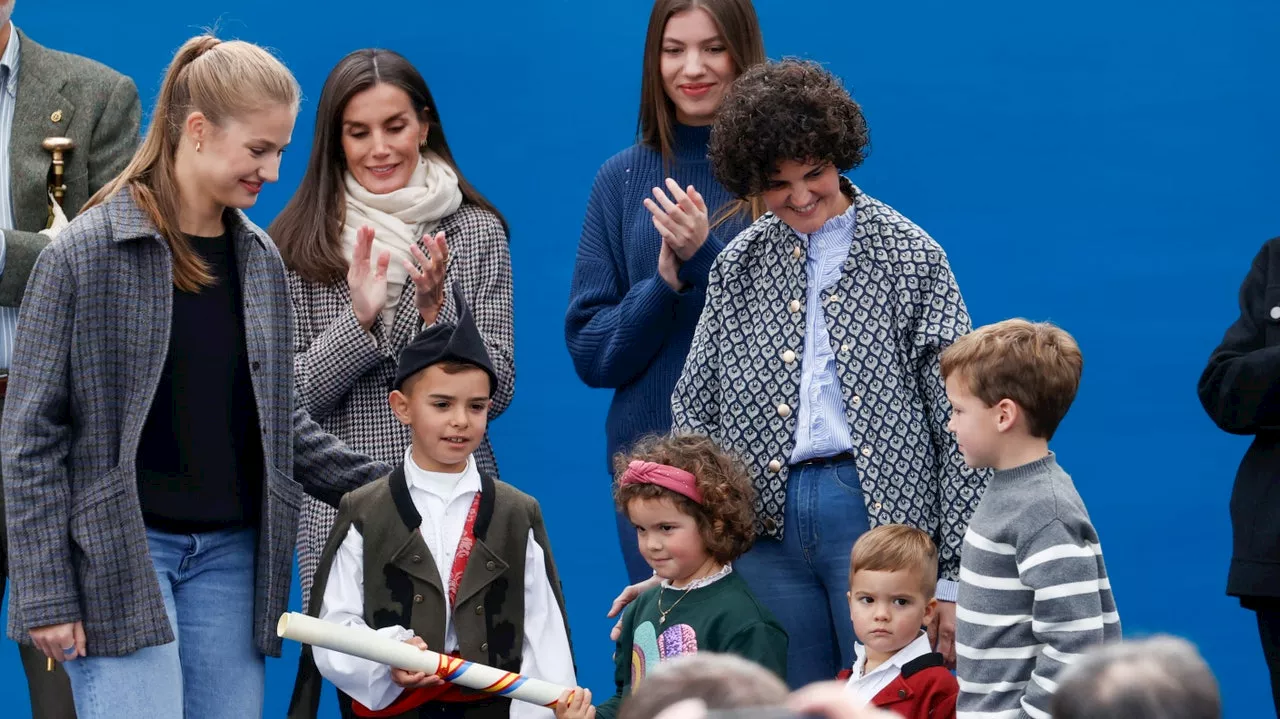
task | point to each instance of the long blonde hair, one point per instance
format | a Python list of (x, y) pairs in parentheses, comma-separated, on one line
[(221, 80)]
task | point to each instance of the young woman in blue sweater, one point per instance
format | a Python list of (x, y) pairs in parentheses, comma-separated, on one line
[(656, 220)]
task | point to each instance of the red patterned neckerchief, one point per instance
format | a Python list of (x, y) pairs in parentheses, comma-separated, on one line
[(466, 543), (414, 698)]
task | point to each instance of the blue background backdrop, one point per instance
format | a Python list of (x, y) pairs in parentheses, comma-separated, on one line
[(1110, 166)]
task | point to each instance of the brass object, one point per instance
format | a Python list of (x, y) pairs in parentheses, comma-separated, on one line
[(58, 147), (56, 116)]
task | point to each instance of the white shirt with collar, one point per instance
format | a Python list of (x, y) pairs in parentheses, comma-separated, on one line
[(865, 686), (8, 102), (443, 501)]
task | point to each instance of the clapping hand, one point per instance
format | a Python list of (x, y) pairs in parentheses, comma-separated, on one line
[(681, 219), (429, 281), (367, 281)]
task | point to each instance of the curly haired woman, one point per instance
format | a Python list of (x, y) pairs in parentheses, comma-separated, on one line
[(816, 361)]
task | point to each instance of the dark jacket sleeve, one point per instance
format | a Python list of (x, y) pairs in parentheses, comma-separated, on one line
[(305, 702), (621, 667), (37, 434), (324, 466), (115, 138), (1240, 388)]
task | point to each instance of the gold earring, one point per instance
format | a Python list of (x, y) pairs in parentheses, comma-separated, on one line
[(197, 147)]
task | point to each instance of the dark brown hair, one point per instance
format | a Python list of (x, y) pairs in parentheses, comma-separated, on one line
[(221, 80), (308, 230), (726, 517), (897, 548), (1037, 365), (779, 111), (740, 30)]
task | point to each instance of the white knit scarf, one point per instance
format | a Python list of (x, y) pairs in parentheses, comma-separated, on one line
[(400, 218)]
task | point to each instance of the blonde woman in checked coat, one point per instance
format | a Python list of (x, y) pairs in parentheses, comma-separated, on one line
[(382, 224)]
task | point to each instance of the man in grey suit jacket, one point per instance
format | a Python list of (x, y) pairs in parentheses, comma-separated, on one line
[(46, 93)]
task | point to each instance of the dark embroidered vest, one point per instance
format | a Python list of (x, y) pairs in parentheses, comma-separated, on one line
[(402, 583)]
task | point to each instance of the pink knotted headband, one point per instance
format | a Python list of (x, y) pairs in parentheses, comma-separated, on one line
[(673, 478)]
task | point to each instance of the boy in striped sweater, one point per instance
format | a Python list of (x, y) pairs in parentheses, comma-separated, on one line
[(1034, 592)]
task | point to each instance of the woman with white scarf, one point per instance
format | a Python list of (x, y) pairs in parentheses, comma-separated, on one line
[(382, 224)]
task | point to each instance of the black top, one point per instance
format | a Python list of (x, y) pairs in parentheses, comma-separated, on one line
[(200, 461), (1240, 389)]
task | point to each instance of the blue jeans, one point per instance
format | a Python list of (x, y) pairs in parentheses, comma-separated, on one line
[(214, 669), (804, 579)]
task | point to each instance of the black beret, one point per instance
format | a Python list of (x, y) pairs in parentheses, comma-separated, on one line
[(443, 342)]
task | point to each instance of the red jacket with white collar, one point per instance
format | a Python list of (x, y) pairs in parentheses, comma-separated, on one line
[(923, 690)]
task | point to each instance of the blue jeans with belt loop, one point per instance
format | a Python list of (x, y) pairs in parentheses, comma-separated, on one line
[(214, 669), (804, 579)]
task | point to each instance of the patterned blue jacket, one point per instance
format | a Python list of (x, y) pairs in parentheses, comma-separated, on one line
[(892, 312)]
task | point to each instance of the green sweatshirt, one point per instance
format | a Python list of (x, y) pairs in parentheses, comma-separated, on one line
[(721, 617)]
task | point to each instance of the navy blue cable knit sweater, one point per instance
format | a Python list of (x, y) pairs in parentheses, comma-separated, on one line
[(626, 328)]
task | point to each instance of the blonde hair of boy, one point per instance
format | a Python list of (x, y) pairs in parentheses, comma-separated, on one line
[(896, 548), (1037, 365)]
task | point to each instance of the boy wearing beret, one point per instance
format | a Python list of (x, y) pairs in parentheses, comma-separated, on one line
[(439, 555)]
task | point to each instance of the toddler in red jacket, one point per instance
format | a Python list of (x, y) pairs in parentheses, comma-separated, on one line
[(892, 576)]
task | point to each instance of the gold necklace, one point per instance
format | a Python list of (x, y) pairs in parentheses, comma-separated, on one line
[(662, 616)]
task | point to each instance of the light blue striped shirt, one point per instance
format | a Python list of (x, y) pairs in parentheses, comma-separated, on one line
[(822, 429), (8, 98)]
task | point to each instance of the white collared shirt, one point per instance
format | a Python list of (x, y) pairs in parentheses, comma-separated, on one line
[(8, 102), (443, 501), (865, 687)]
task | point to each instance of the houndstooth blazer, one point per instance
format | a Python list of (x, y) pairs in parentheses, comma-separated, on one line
[(894, 309), (344, 375), (92, 339)]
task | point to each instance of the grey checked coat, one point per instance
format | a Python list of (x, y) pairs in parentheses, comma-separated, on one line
[(894, 309), (92, 338), (344, 375)]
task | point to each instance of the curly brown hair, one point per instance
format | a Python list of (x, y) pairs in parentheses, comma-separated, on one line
[(726, 517), (779, 111)]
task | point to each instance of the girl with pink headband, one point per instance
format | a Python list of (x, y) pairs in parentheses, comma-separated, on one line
[(693, 508)]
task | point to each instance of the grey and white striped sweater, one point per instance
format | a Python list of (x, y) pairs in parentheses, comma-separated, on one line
[(1034, 593)]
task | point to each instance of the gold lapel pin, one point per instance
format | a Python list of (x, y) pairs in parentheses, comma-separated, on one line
[(56, 116)]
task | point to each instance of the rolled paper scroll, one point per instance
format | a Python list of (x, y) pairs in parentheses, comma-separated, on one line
[(366, 644)]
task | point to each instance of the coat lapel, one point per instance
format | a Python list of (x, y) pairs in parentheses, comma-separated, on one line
[(413, 557), (39, 100), (484, 566), (897, 691), (249, 264)]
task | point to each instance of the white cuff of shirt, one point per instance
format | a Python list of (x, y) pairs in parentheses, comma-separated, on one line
[(947, 590), (395, 633)]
